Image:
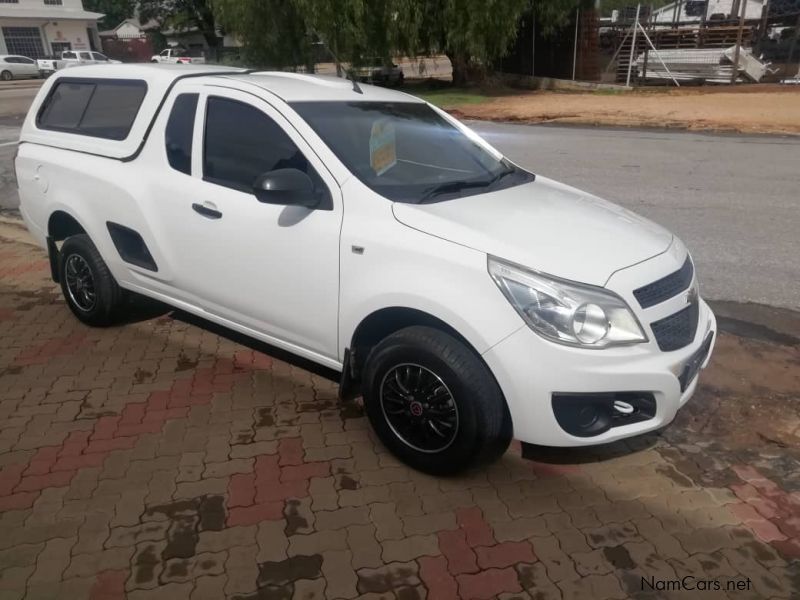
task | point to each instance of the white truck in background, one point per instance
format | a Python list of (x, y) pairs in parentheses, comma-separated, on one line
[(177, 56), (73, 58)]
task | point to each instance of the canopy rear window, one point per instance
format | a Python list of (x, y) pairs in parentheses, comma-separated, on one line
[(102, 108)]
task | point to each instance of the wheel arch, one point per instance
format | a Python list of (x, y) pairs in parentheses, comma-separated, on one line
[(379, 324), (61, 225)]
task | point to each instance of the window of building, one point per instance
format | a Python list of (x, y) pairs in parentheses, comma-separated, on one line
[(100, 108), (59, 47), (179, 133), (53, 2), (26, 41)]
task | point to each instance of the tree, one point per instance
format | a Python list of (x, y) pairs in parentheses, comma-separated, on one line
[(185, 15), (273, 32), (472, 33), (115, 11)]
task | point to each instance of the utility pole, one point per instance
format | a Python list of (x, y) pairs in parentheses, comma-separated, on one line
[(533, 39), (735, 73), (633, 45), (575, 47)]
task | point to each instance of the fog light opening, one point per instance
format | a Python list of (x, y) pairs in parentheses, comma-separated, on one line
[(588, 414)]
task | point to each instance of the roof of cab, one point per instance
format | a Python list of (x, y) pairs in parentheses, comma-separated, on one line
[(163, 73), (297, 87), (290, 87)]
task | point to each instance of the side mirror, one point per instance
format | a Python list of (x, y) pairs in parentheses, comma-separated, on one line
[(286, 186)]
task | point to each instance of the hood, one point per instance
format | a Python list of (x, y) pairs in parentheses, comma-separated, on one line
[(545, 226)]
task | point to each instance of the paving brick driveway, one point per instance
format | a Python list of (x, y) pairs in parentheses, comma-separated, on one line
[(160, 460)]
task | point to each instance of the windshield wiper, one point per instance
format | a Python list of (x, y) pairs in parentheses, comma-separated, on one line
[(508, 170), (450, 187), (457, 186)]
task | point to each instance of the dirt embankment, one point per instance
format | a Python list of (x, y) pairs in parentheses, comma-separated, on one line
[(773, 109)]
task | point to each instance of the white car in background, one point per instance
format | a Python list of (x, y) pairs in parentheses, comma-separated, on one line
[(467, 299), (13, 66), (177, 56), (76, 58), (380, 74)]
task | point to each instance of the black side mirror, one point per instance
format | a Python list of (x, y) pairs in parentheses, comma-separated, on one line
[(286, 186)]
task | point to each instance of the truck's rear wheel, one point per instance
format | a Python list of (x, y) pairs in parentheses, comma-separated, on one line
[(90, 290), (434, 403)]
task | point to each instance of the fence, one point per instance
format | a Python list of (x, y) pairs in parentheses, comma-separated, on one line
[(680, 44), (685, 42)]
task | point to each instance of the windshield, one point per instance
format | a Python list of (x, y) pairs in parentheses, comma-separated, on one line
[(408, 152)]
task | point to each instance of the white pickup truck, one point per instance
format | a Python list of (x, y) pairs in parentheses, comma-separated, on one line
[(464, 297), (177, 56), (73, 58)]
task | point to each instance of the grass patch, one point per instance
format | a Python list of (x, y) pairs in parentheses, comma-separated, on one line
[(448, 97), (445, 95), (610, 92)]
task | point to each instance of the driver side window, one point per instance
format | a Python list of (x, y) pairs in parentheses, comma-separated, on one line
[(241, 143)]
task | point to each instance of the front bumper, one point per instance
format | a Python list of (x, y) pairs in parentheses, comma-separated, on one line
[(530, 369)]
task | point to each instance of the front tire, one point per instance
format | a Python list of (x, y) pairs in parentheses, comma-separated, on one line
[(434, 403), (91, 292)]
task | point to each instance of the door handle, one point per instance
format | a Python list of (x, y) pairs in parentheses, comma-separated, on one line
[(210, 213)]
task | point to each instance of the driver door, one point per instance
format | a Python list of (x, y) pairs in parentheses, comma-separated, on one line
[(270, 268)]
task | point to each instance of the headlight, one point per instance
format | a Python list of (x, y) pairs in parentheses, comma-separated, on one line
[(566, 312)]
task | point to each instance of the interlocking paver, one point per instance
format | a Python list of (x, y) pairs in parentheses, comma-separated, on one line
[(364, 547), (410, 547), (159, 459), (321, 541)]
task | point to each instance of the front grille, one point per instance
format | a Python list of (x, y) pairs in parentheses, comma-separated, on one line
[(676, 331), (666, 287)]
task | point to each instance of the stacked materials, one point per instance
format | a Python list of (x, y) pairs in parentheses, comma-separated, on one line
[(701, 65)]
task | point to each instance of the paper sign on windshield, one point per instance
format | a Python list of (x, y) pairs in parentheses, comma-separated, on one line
[(382, 146)]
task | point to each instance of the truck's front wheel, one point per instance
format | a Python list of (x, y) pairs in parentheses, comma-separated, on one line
[(434, 403), (90, 290)]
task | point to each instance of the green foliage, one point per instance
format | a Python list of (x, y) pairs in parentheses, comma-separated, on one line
[(115, 11), (273, 32), (472, 33), (183, 14)]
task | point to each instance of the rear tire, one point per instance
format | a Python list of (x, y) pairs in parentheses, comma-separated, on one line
[(434, 403), (6, 76), (91, 292)]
